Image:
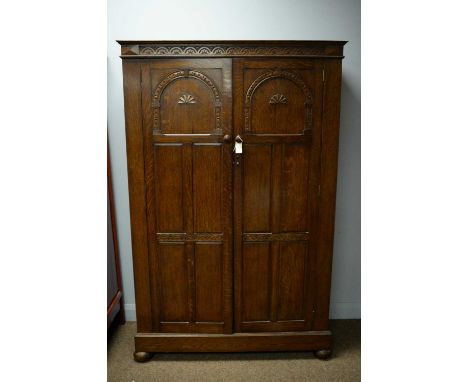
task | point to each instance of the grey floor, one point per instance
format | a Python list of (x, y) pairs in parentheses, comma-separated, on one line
[(344, 366)]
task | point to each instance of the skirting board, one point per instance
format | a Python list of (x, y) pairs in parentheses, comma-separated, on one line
[(338, 311)]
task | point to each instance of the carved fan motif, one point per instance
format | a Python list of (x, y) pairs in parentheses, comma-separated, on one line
[(278, 98), (186, 98)]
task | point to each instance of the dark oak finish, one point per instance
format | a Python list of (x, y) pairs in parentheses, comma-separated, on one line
[(137, 196), (276, 197), (236, 342), (188, 191), (232, 251), (115, 309), (220, 48)]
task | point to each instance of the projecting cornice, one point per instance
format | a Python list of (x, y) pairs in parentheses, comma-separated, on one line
[(155, 49)]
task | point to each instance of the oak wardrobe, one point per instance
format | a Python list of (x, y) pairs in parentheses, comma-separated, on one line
[(232, 151)]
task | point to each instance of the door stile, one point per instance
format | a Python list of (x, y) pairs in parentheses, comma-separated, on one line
[(149, 188), (237, 91), (228, 247)]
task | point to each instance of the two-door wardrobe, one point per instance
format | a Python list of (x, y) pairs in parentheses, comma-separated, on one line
[(232, 151)]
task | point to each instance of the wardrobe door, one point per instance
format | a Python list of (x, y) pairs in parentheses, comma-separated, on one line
[(188, 171), (277, 112)]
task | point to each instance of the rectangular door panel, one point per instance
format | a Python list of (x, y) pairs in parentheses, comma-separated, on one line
[(256, 282), (169, 187), (174, 282), (186, 110), (294, 187), (291, 280), (257, 188), (277, 111), (207, 187), (209, 282)]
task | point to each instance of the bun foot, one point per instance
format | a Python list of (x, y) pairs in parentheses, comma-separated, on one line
[(142, 356), (323, 354)]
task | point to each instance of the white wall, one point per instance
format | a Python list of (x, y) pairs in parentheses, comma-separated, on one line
[(249, 20)]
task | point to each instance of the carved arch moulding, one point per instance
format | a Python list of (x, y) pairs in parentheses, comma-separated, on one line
[(283, 74), (156, 98)]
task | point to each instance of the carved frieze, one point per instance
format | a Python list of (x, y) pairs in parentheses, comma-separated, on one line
[(206, 236), (225, 50), (284, 236)]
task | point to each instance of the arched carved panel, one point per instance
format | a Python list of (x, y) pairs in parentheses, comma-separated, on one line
[(187, 107), (277, 95), (184, 94)]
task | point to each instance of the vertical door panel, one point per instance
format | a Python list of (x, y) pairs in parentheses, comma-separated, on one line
[(188, 168), (294, 187), (209, 282), (277, 110), (291, 281), (257, 188), (173, 276), (256, 281), (168, 188), (207, 187)]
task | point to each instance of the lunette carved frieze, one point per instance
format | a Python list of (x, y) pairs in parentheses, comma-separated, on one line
[(225, 50)]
